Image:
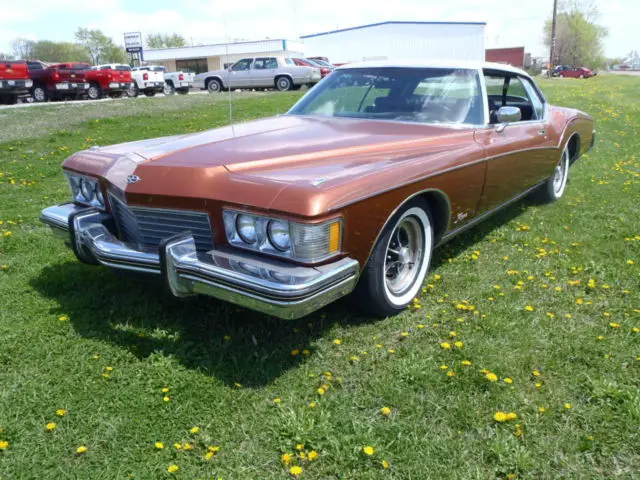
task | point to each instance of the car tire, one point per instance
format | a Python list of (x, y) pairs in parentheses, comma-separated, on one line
[(553, 189), (183, 91), (150, 93), (168, 89), (283, 84), (214, 86), (94, 92), (134, 91), (398, 263), (39, 94), (296, 87)]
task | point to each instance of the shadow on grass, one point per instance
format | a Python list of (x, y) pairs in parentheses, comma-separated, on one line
[(220, 339)]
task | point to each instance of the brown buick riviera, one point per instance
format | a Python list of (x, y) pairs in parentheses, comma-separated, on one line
[(351, 190)]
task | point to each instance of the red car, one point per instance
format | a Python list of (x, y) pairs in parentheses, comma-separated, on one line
[(14, 81), (112, 80), (58, 81), (576, 72), (303, 62)]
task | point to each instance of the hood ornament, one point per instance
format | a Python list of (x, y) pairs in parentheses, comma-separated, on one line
[(133, 179)]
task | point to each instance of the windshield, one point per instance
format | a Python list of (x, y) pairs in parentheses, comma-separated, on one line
[(422, 95)]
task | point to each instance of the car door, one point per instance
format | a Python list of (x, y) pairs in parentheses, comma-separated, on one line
[(240, 74), (259, 73), (520, 154)]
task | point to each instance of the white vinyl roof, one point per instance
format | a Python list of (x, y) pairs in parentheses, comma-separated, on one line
[(463, 64)]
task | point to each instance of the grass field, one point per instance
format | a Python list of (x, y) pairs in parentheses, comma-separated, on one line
[(545, 301)]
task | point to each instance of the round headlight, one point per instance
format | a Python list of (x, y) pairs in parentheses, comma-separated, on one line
[(246, 228), (279, 235), (87, 189)]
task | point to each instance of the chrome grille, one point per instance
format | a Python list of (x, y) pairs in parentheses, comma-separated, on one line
[(148, 226)]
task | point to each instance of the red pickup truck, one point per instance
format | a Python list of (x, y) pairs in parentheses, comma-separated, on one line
[(58, 81), (112, 80), (14, 81)]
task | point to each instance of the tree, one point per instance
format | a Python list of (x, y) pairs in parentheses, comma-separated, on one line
[(23, 48), (6, 56), (55, 52), (165, 40), (99, 47), (579, 39)]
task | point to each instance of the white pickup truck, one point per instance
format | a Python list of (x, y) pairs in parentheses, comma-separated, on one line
[(147, 80), (180, 82)]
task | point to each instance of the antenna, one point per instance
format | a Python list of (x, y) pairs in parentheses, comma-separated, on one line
[(233, 131)]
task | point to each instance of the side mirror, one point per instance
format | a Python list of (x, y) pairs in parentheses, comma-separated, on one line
[(507, 115), (229, 69)]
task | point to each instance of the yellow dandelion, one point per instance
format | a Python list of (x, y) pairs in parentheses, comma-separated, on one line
[(313, 404), (368, 450), (567, 406), (61, 412), (321, 391), (295, 471), (541, 409), (459, 344), (286, 458), (50, 427), (165, 390), (466, 363), (492, 377), (81, 449), (511, 416), (187, 446), (213, 448), (635, 330), (227, 338), (277, 400), (158, 445), (453, 334), (500, 417), (385, 464), (306, 352), (194, 430), (300, 447), (166, 399), (63, 318), (529, 308), (444, 367), (536, 373), (295, 352), (4, 444), (404, 334), (208, 456), (385, 411), (445, 345), (451, 373), (614, 325), (538, 385), (173, 468), (508, 380), (337, 341), (312, 455)]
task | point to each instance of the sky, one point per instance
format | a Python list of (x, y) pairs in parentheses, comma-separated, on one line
[(509, 23)]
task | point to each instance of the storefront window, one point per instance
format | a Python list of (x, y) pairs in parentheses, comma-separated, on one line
[(194, 65)]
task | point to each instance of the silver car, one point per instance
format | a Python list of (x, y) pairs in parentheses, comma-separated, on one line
[(259, 72)]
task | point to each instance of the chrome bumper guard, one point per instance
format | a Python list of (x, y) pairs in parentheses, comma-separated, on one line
[(270, 286)]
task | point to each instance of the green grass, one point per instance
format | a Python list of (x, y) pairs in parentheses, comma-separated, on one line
[(62, 324)]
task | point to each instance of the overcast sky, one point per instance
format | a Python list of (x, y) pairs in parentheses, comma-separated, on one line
[(509, 22)]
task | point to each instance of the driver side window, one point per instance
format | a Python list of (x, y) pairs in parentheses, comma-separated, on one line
[(242, 65), (504, 90)]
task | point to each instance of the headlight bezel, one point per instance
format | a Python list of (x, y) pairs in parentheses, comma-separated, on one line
[(296, 231), (76, 182)]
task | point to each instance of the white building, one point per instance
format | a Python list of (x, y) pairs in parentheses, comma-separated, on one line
[(385, 40), (204, 58)]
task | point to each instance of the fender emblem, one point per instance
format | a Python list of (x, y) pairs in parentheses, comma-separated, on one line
[(133, 179)]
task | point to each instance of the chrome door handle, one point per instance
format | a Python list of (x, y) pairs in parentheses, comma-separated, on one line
[(542, 132)]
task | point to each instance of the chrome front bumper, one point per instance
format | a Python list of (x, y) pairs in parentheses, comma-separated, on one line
[(270, 286)]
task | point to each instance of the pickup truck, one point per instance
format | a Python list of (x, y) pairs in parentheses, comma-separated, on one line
[(58, 80), (112, 80), (146, 80), (14, 81)]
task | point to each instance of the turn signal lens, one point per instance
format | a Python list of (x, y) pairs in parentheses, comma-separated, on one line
[(334, 237)]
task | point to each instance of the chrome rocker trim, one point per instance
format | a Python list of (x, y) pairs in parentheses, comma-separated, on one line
[(270, 286)]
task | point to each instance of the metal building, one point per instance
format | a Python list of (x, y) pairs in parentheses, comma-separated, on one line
[(386, 40)]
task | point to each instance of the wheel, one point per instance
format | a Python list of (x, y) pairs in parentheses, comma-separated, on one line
[(283, 84), (94, 92), (168, 89), (183, 91), (296, 87), (214, 85), (554, 187), (399, 262), (150, 93), (134, 91), (40, 94)]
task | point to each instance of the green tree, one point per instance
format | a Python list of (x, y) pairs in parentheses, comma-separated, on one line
[(54, 52), (579, 38), (99, 47), (165, 40)]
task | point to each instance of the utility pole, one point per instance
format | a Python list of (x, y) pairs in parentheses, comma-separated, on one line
[(553, 37)]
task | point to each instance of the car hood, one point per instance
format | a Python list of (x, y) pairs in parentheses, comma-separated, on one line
[(252, 163)]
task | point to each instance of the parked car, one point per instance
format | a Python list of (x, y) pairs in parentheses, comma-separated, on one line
[(322, 63), (112, 80), (351, 189), (179, 81), (58, 81), (14, 81), (305, 62), (576, 72), (555, 71), (147, 80), (321, 59), (260, 72)]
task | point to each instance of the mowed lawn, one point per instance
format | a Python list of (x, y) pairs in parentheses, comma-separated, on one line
[(520, 359)]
